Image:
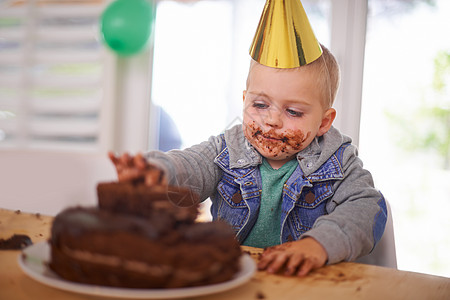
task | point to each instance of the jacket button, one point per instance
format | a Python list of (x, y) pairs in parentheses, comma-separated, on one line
[(310, 198), (237, 197), (241, 161)]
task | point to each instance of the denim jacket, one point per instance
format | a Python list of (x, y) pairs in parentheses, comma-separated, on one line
[(329, 197)]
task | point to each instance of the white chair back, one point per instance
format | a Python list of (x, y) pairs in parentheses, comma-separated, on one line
[(384, 254)]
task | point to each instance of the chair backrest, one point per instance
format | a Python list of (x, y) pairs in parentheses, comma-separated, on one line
[(384, 254)]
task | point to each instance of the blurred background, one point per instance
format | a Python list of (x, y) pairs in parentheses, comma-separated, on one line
[(66, 99)]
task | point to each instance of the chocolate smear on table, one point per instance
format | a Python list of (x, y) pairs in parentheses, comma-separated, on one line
[(16, 242)]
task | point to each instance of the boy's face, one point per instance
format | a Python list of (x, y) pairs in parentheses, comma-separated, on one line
[(283, 112)]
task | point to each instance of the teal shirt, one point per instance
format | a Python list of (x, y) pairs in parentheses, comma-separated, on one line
[(267, 229)]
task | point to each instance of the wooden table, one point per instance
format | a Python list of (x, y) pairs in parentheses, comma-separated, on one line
[(340, 281)]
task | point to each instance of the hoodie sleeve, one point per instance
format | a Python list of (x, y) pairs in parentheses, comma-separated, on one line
[(356, 216), (192, 167)]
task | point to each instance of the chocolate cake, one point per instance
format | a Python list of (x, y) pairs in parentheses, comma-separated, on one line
[(137, 238), (140, 200)]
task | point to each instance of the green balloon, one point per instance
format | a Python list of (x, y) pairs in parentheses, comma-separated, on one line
[(126, 25)]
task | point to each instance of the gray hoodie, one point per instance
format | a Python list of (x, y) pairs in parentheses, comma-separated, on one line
[(347, 216)]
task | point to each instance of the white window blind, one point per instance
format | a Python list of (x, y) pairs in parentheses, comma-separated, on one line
[(51, 74)]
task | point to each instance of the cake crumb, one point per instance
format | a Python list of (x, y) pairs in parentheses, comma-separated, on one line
[(18, 212), (16, 242), (260, 295)]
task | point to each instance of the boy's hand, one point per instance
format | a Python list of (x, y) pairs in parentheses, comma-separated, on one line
[(136, 168), (298, 257)]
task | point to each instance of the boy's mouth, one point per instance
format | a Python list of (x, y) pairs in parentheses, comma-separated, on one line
[(270, 138), (270, 135), (274, 141), (275, 138)]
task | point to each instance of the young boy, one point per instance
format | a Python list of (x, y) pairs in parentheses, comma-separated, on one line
[(285, 178)]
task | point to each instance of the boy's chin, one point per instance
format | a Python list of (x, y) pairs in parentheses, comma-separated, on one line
[(276, 156)]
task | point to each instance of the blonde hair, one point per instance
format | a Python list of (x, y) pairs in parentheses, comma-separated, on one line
[(328, 75)]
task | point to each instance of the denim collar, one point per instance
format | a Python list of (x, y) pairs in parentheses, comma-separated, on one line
[(241, 154)]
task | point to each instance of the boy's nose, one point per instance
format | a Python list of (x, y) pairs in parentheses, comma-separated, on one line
[(273, 119)]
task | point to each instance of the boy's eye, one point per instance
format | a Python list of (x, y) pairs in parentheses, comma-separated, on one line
[(259, 105), (294, 113)]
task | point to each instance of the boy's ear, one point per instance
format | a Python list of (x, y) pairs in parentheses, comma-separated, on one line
[(244, 94), (327, 121)]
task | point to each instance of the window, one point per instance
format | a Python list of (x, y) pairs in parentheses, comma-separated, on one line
[(405, 125), (51, 70)]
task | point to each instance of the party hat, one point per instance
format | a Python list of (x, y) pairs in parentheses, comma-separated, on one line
[(284, 38)]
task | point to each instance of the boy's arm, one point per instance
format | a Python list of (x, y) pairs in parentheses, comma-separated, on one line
[(193, 167), (356, 217), (356, 221)]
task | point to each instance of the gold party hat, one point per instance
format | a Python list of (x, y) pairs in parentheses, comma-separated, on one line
[(284, 38)]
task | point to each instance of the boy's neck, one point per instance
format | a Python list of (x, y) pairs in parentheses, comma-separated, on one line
[(276, 164)]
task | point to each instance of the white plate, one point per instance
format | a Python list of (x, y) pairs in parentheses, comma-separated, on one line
[(34, 259)]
